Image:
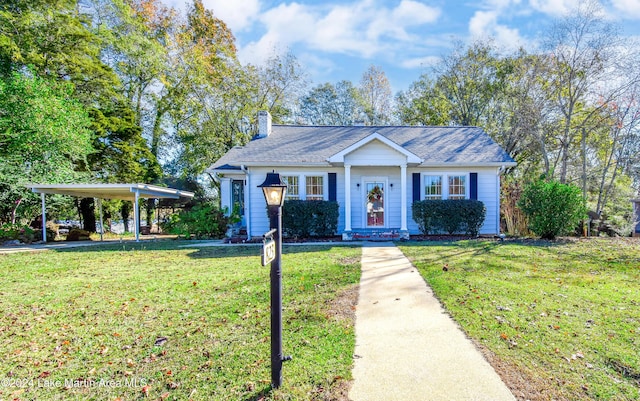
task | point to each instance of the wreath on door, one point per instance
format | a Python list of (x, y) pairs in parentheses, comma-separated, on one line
[(375, 194)]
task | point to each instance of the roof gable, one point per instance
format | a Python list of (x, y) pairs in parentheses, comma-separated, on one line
[(339, 157)]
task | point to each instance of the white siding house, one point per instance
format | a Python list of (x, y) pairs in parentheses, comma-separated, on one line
[(374, 173)]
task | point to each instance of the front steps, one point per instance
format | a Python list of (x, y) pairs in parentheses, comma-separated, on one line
[(375, 234)]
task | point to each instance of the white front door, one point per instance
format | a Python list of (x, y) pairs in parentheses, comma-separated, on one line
[(374, 203)]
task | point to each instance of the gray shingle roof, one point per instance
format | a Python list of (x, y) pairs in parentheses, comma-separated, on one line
[(313, 145)]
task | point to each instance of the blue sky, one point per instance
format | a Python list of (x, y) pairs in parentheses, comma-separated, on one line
[(337, 40)]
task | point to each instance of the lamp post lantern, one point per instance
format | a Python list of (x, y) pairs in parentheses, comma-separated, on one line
[(274, 192)]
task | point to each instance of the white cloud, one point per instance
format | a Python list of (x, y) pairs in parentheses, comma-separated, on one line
[(344, 30), (421, 62), (363, 28), (237, 14), (484, 24), (627, 8), (554, 7), (500, 4), (317, 66), (406, 15), (286, 25)]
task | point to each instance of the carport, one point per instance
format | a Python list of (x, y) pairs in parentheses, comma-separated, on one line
[(128, 192)]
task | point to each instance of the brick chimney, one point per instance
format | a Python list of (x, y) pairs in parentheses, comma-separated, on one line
[(264, 124)]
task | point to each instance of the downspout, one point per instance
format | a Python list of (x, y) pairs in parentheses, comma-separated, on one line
[(499, 173), (247, 200)]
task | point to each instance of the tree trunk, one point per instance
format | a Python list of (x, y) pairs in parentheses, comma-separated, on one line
[(126, 212), (584, 163), (150, 208), (87, 209), (14, 211)]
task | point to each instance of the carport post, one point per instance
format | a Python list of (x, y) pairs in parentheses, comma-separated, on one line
[(136, 215), (44, 218), (101, 219)]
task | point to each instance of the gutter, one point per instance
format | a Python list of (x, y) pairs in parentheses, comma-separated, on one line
[(247, 201)]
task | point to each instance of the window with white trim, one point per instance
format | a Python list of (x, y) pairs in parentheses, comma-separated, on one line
[(315, 187), (457, 186), (293, 188), (432, 187)]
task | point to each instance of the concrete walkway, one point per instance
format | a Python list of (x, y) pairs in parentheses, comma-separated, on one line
[(407, 347)]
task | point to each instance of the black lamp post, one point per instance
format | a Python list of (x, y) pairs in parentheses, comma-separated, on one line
[(274, 192)]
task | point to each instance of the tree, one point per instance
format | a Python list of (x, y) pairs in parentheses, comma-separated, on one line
[(583, 57), (225, 115), (375, 96), (552, 208), (423, 104), (53, 37), (280, 82), (470, 79), (122, 155), (44, 133), (618, 152), (327, 104)]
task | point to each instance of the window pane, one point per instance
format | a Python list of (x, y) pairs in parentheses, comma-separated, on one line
[(457, 186), (433, 187), (375, 204), (315, 188), (293, 190), (237, 196)]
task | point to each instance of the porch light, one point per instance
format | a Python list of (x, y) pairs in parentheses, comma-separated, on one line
[(274, 189)]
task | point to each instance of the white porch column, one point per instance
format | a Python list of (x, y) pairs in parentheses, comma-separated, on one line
[(347, 197), (403, 197)]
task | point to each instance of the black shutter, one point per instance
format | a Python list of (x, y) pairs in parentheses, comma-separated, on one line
[(416, 187), (333, 187), (473, 186)]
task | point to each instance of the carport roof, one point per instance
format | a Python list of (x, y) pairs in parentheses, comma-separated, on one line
[(110, 191)]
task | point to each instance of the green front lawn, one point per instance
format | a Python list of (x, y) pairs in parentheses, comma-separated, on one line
[(563, 318), (131, 321)]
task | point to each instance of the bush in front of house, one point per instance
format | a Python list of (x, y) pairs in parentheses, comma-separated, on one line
[(22, 233), (305, 219), (452, 216), (553, 209), (202, 221)]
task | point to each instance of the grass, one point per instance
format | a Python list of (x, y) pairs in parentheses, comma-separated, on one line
[(152, 320), (561, 317)]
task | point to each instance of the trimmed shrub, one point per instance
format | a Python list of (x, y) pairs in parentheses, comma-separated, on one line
[(425, 215), (78, 235), (450, 216), (201, 221), (22, 233), (553, 208), (51, 235), (304, 219)]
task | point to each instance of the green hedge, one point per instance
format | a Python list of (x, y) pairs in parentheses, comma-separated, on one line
[(202, 221), (304, 219), (552, 208), (449, 216), (24, 234)]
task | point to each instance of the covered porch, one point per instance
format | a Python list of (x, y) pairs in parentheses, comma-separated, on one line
[(375, 188)]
